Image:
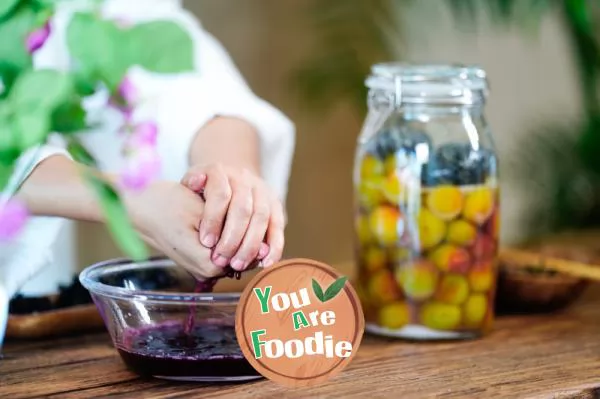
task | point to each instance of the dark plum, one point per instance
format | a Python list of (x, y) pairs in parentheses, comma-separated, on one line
[(73, 295), (459, 164), (69, 295), (399, 140), (21, 305)]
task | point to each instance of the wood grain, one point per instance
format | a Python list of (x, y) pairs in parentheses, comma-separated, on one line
[(55, 322), (525, 258), (546, 356)]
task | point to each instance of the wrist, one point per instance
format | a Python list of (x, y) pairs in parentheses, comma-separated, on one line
[(213, 145)]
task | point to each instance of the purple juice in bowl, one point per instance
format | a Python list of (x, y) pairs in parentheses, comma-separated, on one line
[(165, 324)]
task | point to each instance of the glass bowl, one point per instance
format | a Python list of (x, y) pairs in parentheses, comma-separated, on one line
[(161, 328)]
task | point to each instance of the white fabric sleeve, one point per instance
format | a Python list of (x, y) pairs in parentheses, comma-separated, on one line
[(181, 104), (31, 250)]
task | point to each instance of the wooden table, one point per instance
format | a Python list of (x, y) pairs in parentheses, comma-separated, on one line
[(529, 356)]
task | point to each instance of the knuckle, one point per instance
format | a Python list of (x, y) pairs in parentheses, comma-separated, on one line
[(222, 193), (245, 208), (262, 212), (246, 174)]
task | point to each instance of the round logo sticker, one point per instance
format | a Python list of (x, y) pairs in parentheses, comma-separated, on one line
[(299, 322)]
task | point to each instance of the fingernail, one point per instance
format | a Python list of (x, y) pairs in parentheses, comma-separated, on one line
[(220, 260), (209, 240), (263, 251), (267, 262), (193, 183), (238, 264)]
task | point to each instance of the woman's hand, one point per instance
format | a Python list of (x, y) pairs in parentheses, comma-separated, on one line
[(243, 219), (167, 216)]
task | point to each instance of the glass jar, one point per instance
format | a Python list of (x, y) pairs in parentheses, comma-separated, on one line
[(427, 203)]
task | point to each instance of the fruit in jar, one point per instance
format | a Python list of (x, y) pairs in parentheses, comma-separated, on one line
[(445, 202), (432, 230), (387, 225), (459, 164), (451, 258), (375, 259), (361, 293), (382, 287), (418, 279), (493, 224), (399, 255), (390, 164), (483, 248), (479, 205), (461, 232), (369, 193), (400, 141), (481, 276), (370, 167), (474, 310), (394, 316), (392, 190), (453, 289), (362, 229), (440, 316)]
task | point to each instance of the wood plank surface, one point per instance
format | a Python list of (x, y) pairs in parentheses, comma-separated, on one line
[(548, 356)]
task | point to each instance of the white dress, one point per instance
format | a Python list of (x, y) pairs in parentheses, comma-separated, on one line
[(179, 104)]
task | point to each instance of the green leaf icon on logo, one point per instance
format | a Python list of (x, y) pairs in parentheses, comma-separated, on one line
[(331, 292)]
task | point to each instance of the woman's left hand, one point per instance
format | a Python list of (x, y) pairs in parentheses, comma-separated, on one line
[(243, 219)]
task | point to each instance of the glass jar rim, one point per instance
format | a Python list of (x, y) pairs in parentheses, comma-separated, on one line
[(89, 278), (430, 83)]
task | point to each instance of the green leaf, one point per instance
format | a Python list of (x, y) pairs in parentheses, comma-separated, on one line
[(85, 83), (32, 125), (43, 88), (80, 153), (69, 118), (117, 220), (317, 290), (162, 47), (99, 47), (6, 172), (9, 144), (13, 53), (6, 6), (335, 288)]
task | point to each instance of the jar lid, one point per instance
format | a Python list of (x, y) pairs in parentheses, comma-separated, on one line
[(430, 84)]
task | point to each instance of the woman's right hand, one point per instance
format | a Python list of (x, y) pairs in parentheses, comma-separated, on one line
[(167, 215)]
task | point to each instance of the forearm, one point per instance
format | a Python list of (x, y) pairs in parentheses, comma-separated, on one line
[(229, 141), (56, 188)]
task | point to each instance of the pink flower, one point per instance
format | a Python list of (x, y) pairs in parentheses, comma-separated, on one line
[(13, 216), (36, 39), (143, 166), (126, 111), (128, 91), (144, 135)]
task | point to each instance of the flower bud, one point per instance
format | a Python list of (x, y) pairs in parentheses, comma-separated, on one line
[(36, 39)]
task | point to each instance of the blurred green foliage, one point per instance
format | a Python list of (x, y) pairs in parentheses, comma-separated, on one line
[(35, 103), (561, 158)]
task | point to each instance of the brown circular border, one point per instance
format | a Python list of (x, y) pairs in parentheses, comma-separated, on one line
[(274, 375)]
